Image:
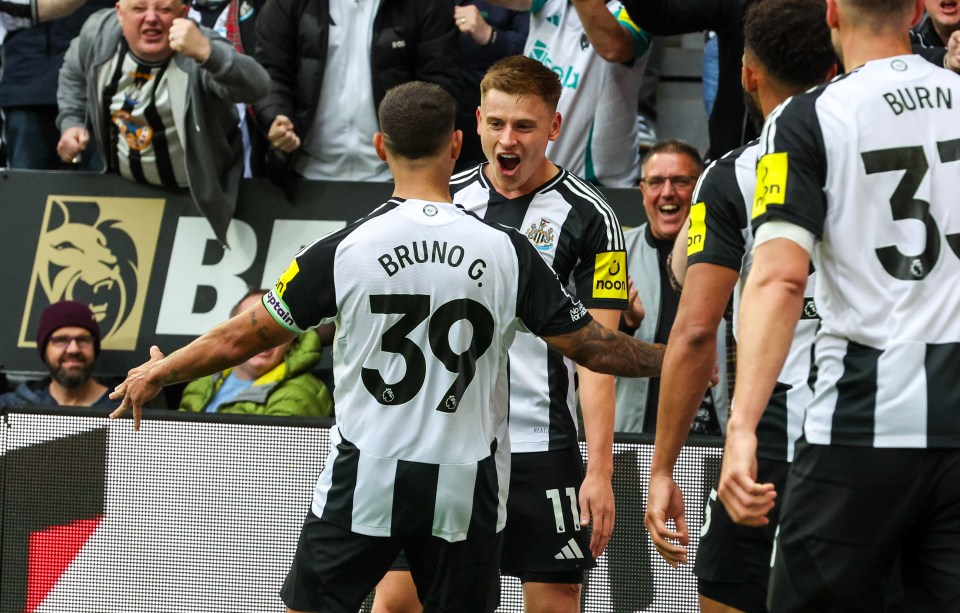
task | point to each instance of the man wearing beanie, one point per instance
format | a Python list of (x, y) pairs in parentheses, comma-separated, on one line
[(68, 339)]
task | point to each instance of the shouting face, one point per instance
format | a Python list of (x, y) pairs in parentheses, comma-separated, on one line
[(514, 132), (667, 187), (146, 26)]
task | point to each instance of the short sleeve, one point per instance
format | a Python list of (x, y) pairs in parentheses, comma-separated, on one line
[(791, 172), (717, 219), (600, 274), (304, 296), (543, 305)]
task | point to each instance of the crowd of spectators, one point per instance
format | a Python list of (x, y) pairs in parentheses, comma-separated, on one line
[(301, 79), (196, 96)]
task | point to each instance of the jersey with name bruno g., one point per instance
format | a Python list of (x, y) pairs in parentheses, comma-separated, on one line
[(426, 299), (870, 164), (720, 234), (578, 235)]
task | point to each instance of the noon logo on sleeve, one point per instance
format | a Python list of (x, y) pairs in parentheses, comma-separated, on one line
[(610, 275), (771, 182), (698, 228)]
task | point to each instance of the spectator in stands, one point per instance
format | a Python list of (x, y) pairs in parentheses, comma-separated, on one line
[(598, 53), (487, 33), (235, 20), (68, 339), (670, 171), (158, 92), (942, 20), (28, 91), (331, 62), (274, 382), (18, 14), (728, 124)]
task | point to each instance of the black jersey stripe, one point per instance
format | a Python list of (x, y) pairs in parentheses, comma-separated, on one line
[(562, 429), (486, 494), (414, 498), (614, 231), (943, 394), (772, 439), (339, 506), (161, 149), (615, 240), (855, 414)]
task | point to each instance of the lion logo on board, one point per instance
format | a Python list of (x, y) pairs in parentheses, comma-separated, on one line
[(98, 251)]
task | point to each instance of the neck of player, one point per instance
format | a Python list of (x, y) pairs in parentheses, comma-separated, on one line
[(423, 179)]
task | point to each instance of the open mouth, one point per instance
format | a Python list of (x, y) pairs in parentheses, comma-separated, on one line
[(949, 7), (508, 162), (669, 210), (151, 34)]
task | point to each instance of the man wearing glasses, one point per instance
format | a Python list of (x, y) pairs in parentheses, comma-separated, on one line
[(670, 171), (68, 339)]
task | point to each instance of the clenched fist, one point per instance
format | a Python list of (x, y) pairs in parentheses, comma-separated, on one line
[(186, 38)]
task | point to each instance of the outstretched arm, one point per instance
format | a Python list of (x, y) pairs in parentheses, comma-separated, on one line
[(607, 351), (228, 344)]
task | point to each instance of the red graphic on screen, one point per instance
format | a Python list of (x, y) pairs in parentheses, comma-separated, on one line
[(51, 552)]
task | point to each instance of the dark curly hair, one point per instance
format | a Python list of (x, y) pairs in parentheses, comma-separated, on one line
[(790, 38)]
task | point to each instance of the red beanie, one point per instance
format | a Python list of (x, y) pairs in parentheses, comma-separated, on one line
[(62, 314)]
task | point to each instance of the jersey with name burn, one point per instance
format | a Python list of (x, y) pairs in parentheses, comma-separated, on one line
[(426, 299), (870, 165), (720, 234), (578, 235)]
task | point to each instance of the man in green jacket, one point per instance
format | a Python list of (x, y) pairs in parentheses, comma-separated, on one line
[(274, 382)]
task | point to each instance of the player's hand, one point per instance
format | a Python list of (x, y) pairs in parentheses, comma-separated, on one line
[(72, 142), (633, 315), (137, 389), (715, 375), (282, 136), (470, 21), (596, 502), (952, 61), (186, 38), (664, 503), (747, 502)]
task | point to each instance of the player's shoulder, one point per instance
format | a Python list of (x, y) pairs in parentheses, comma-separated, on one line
[(466, 178), (729, 171), (579, 194), (355, 228)]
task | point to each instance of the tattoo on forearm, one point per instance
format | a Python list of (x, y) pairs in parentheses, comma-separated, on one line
[(261, 330), (612, 352)]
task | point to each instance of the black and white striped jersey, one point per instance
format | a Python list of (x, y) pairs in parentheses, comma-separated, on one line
[(720, 234), (578, 235), (426, 299), (870, 165)]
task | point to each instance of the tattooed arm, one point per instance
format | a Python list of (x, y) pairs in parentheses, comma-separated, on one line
[(229, 344), (610, 352)]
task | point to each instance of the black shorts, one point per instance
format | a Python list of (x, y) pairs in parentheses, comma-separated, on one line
[(852, 514), (334, 569), (733, 562), (543, 540)]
